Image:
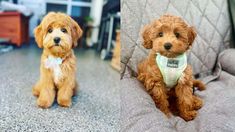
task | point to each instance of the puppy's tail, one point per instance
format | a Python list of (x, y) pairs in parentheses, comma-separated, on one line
[(197, 83)]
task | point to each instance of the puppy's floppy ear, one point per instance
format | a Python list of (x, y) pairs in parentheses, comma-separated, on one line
[(76, 32), (148, 44), (38, 36), (191, 35)]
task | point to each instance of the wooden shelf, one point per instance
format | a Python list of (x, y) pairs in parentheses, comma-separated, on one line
[(14, 26)]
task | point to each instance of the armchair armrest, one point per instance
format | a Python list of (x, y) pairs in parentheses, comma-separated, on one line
[(227, 60)]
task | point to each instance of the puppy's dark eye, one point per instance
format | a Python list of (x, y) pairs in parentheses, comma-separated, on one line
[(49, 30), (63, 30), (177, 35), (160, 34)]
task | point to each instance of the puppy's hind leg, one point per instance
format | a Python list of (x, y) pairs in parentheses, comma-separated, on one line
[(197, 83), (36, 89), (75, 89), (198, 103)]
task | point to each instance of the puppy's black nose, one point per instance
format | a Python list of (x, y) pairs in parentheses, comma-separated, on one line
[(57, 40), (167, 46)]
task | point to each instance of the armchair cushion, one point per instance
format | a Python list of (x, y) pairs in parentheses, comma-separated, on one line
[(140, 114)]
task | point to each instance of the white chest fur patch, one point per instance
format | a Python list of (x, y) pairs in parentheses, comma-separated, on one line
[(54, 64)]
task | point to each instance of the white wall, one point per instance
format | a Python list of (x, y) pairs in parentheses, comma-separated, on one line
[(38, 8), (96, 12)]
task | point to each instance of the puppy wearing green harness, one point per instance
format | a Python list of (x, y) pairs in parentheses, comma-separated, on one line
[(165, 73)]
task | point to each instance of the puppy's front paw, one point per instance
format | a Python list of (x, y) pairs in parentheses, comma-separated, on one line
[(188, 116), (168, 114), (64, 102), (198, 104), (35, 91), (43, 103)]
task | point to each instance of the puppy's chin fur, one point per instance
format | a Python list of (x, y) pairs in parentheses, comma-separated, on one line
[(58, 51)]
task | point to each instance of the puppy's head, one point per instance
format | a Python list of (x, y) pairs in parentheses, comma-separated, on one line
[(170, 36), (58, 33)]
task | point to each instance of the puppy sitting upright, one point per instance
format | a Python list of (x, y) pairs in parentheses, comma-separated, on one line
[(57, 34), (165, 73)]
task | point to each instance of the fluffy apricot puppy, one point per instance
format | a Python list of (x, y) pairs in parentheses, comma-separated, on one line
[(165, 72), (57, 34)]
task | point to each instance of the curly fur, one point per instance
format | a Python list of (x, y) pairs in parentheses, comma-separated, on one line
[(46, 89), (175, 31)]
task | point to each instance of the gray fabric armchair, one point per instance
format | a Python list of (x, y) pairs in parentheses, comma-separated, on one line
[(210, 56)]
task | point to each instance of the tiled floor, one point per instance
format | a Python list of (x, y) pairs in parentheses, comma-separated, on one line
[(96, 108)]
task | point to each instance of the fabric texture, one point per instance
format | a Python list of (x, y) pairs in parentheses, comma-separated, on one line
[(212, 22)]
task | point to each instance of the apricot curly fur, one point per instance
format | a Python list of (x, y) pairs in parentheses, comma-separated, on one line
[(181, 95), (47, 88)]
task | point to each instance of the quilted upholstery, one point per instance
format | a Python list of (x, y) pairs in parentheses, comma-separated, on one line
[(209, 17)]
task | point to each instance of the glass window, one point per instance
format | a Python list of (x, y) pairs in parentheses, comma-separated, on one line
[(80, 11), (56, 7), (83, 0)]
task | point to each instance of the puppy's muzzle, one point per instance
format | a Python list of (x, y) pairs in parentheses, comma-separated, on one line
[(167, 46), (57, 40)]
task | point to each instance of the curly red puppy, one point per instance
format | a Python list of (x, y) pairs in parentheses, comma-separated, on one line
[(57, 34), (165, 72)]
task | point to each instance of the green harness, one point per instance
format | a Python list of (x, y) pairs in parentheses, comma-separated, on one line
[(171, 68)]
